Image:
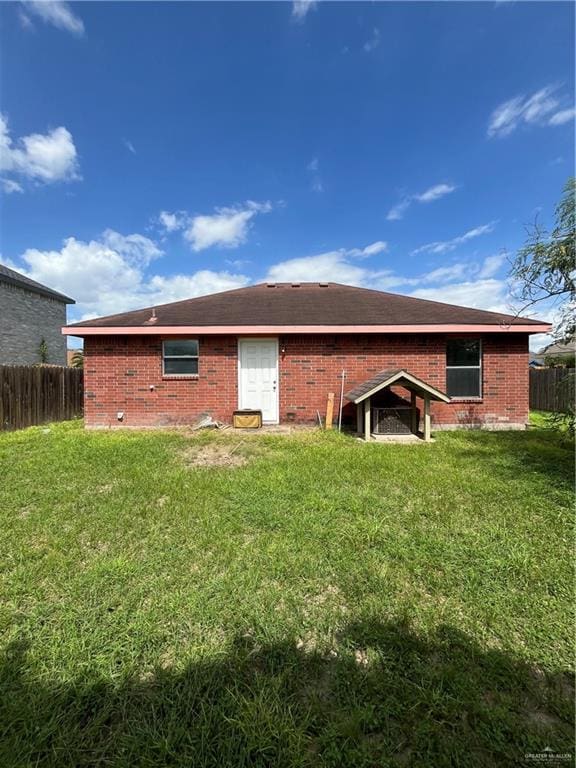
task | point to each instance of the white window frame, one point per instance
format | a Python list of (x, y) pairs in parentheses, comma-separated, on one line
[(467, 367), (180, 357)]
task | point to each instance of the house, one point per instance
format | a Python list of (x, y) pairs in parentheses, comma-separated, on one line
[(559, 354), (31, 319), (282, 347)]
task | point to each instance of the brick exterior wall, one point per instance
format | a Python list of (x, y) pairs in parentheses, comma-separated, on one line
[(25, 319), (125, 374)]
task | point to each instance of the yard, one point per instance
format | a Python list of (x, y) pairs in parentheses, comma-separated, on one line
[(173, 599)]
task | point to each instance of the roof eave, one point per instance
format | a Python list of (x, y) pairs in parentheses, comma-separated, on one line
[(226, 330)]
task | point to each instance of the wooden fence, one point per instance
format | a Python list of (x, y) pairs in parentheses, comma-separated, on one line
[(552, 389), (31, 394)]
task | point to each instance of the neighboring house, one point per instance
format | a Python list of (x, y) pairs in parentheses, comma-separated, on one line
[(559, 353), (30, 314), (282, 347)]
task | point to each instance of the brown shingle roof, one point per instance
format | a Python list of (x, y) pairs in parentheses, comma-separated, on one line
[(369, 384), (309, 304), (398, 376)]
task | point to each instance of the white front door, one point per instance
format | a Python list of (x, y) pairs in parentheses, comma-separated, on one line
[(258, 376)]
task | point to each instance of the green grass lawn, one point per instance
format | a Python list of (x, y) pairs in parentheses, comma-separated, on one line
[(315, 601)]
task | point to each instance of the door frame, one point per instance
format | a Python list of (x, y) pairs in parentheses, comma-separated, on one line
[(274, 339)]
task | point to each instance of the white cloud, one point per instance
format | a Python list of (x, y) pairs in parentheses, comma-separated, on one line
[(25, 20), (46, 158), (317, 185), (172, 222), (429, 196), (373, 42), (129, 146), (538, 341), (397, 212), (238, 263), (57, 13), (301, 8), (313, 167), (453, 273), (491, 265), (444, 246), (227, 228), (488, 294), (51, 156), (371, 250), (481, 289), (108, 275), (541, 108), (435, 193), (550, 313), (9, 186), (508, 116), (135, 248), (94, 274), (332, 266), (564, 116), (161, 290), (444, 274)]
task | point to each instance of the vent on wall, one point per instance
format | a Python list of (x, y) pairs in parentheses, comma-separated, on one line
[(323, 285), (295, 285), (270, 285)]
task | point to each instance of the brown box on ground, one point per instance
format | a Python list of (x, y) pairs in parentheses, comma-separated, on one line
[(247, 419)]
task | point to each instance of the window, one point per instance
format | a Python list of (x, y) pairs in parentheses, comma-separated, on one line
[(180, 357), (464, 368)]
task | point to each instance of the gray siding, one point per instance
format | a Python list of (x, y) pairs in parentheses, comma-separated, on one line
[(25, 319)]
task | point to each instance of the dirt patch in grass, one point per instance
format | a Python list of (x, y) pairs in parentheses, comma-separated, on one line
[(214, 455), (542, 719), (329, 598), (105, 488), (225, 452)]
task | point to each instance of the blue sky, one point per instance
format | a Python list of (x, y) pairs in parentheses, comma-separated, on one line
[(156, 151)]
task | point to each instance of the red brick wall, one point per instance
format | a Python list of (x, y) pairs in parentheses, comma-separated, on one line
[(120, 371)]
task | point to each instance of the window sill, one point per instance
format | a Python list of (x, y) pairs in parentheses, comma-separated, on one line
[(178, 376), (466, 399)]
